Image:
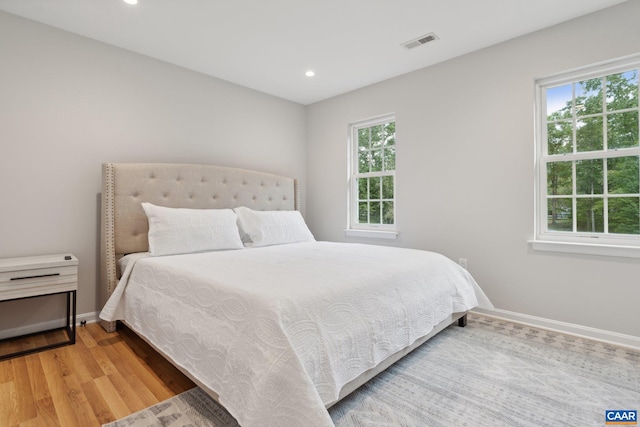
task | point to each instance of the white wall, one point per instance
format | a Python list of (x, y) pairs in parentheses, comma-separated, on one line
[(465, 170), (68, 104)]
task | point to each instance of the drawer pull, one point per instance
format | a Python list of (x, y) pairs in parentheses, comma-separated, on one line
[(35, 277)]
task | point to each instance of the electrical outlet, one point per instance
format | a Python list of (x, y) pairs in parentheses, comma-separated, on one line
[(462, 262)]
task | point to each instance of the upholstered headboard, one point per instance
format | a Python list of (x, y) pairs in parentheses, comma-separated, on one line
[(125, 186)]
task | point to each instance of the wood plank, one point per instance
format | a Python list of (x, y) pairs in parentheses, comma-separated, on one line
[(6, 371), (56, 337), (39, 386), (25, 407), (8, 404), (83, 385), (53, 370), (140, 388), (85, 334), (80, 369), (101, 358), (98, 402), (128, 393), (79, 402), (160, 390), (39, 340), (117, 405), (47, 415), (120, 351)]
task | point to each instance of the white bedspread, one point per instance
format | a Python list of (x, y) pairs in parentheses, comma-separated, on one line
[(277, 331)]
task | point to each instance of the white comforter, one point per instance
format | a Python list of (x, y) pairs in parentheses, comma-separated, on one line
[(277, 331)]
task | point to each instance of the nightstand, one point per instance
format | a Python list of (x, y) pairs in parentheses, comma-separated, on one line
[(39, 276)]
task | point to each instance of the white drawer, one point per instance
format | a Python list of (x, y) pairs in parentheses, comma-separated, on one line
[(42, 275)]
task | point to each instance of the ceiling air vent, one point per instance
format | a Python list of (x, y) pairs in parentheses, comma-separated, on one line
[(420, 41)]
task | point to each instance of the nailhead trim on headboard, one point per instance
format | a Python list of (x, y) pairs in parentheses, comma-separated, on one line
[(107, 248)]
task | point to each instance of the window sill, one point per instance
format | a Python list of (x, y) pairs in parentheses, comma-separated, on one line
[(371, 234), (586, 248)]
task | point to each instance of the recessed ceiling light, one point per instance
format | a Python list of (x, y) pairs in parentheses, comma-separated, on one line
[(131, 1), (310, 73)]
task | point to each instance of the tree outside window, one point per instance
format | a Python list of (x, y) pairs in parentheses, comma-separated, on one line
[(590, 155)]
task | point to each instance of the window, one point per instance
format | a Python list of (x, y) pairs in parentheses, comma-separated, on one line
[(588, 156), (372, 207)]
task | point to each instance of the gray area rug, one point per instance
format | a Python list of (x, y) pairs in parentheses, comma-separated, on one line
[(490, 373)]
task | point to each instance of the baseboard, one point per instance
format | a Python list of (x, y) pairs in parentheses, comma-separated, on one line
[(610, 337), (44, 326)]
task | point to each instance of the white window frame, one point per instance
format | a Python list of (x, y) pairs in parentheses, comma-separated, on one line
[(354, 227), (577, 242)]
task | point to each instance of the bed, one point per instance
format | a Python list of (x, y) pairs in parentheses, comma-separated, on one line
[(276, 330)]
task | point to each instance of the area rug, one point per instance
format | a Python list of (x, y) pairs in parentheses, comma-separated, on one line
[(490, 373)]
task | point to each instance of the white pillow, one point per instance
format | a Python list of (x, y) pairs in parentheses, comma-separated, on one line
[(180, 230), (264, 228)]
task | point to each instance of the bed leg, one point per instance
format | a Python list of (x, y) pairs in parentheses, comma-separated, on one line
[(462, 322)]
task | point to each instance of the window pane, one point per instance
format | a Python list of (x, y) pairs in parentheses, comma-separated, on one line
[(374, 217), (589, 190), (559, 179), (589, 97), (390, 134), (589, 134), (559, 102), (363, 212), (377, 136), (374, 188), (624, 215), (622, 90), (589, 176), (363, 138), (387, 187), (363, 161), (390, 158), (622, 130), (387, 213), (622, 175), (363, 189), (590, 215), (559, 137), (376, 161), (559, 215)]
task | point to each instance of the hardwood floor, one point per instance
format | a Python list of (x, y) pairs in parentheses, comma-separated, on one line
[(103, 377)]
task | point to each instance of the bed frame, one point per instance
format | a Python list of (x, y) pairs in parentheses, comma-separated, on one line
[(124, 226)]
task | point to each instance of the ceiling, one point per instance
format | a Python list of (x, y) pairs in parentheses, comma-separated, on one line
[(268, 45)]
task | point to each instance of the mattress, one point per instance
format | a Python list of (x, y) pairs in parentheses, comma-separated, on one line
[(277, 331)]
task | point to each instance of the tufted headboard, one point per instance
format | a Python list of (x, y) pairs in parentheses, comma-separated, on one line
[(125, 186)]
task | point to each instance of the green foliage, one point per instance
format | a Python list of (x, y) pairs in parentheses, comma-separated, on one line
[(622, 90), (559, 179), (622, 175), (622, 130), (560, 137), (589, 134), (623, 215), (589, 176), (590, 215)]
